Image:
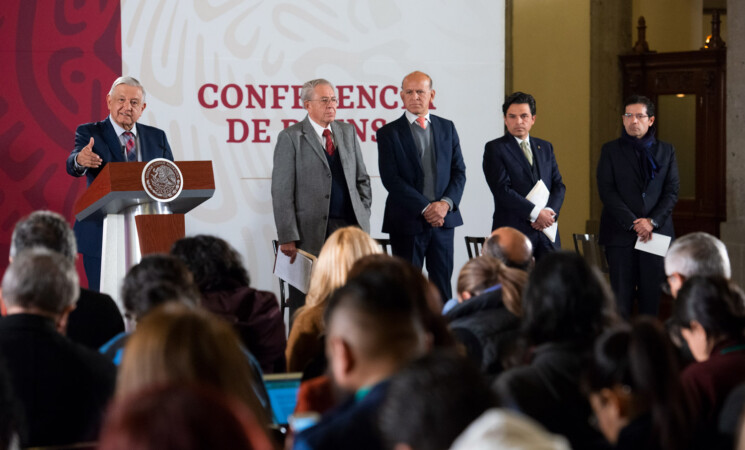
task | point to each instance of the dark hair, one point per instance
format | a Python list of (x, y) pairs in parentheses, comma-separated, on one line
[(44, 229), (519, 98), (215, 264), (141, 291), (565, 300), (641, 359), (432, 400), (714, 302), (640, 99)]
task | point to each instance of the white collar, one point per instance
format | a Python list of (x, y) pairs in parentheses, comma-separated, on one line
[(119, 130), (319, 129), (413, 117)]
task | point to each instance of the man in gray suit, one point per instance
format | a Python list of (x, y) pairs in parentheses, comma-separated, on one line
[(319, 180)]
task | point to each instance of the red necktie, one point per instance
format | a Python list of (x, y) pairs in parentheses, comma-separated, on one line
[(422, 121), (329, 142), (129, 145)]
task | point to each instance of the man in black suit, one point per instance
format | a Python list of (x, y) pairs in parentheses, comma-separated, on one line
[(513, 164), (96, 318), (62, 387), (117, 138), (422, 168), (638, 185)]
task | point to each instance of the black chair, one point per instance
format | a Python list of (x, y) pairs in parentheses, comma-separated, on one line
[(474, 246), (385, 244), (586, 245), (284, 288)]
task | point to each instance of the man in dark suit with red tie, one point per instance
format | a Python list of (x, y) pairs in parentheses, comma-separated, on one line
[(422, 169), (513, 164), (117, 138)]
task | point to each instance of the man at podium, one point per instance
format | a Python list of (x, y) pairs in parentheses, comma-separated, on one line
[(117, 138)]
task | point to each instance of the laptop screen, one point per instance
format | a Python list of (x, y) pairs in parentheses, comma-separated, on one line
[(283, 389)]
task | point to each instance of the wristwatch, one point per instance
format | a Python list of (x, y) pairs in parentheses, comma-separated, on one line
[(654, 224)]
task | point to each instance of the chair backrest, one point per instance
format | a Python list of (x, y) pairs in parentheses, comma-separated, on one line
[(474, 246), (385, 244), (283, 286), (586, 245)]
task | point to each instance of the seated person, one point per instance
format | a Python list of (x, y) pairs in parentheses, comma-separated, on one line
[(489, 307), (510, 246), (372, 329)]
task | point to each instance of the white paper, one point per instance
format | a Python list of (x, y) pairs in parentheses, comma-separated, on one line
[(296, 274), (539, 197), (657, 245)]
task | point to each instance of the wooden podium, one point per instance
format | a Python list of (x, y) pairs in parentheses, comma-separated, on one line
[(134, 223)]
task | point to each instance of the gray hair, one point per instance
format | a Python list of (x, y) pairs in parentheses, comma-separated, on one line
[(306, 94), (129, 81), (41, 279), (698, 254), (45, 229)]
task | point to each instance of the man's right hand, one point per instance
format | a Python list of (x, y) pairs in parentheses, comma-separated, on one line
[(289, 249), (87, 158), (545, 219)]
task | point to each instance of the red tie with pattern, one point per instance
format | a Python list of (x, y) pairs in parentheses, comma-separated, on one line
[(329, 142), (422, 121), (129, 145)]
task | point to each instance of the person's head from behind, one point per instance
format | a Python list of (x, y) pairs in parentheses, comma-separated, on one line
[(148, 273), (634, 371), (510, 246), (215, 264), (176, 343), (45, 229), (566, 300), (484, 272), (42, 282), (180, 417), (695, 254), (340, 251), (432, 400), (372, 329), (709, 310)]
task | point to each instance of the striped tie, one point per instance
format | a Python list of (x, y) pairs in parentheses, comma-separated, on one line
[(129, 145)]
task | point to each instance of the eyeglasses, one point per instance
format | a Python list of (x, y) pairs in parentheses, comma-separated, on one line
[(638, 116), (327, 100)]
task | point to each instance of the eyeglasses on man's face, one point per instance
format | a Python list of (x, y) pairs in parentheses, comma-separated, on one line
[(327, 100), (639, 117)]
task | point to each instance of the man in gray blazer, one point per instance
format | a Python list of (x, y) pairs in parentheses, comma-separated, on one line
[(319, 180)]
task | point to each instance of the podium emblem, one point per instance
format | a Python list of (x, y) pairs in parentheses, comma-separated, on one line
[(162, 180)]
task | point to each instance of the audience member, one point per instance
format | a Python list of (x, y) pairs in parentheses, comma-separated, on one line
[(566, 305), (96, 318), (372, 330), (634, 388), (695, 254), (711, 314), (176, 343), (510, 246), (62, 387), (490, 306), (339, 252), (225, 287), (505, 430), (181, 417)]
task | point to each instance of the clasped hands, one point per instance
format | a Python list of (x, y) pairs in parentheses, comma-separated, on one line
[(435, 213), (643, 228), (87, 158), (545, 219)]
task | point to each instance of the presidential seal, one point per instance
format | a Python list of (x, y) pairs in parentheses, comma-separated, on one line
[(162, 180)]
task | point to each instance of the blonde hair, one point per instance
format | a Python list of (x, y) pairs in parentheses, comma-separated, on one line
[(483, 272), (176, 343), (341, 250)]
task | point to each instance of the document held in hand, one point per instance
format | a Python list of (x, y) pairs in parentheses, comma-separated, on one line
[(297, 273), (539, 197), (657, 245)]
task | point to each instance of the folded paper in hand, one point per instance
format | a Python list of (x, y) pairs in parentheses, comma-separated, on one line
[(656, 245), (539, 197), (296, 274)]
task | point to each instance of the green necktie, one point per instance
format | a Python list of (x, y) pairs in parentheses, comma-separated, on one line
[(526, 149)]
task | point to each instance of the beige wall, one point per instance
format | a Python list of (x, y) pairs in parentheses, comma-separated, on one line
[(551, 61), (672, 25)]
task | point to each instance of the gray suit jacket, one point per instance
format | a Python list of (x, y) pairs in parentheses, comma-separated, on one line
[(301, 183)]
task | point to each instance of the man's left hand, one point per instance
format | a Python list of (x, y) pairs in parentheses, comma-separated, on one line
[(643, 228), (435, 213), (544, 220)]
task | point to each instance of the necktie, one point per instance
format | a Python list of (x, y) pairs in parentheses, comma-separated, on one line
[(422, 121), (526, 149), (329, 142), (129, 145)]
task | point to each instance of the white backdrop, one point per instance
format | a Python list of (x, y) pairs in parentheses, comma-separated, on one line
[(176, 47)]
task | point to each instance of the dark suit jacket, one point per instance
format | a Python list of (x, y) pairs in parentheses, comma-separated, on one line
[(624, 196), (403, 177), (153, 144), (63, 387), (95, 320), (510, 179)]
